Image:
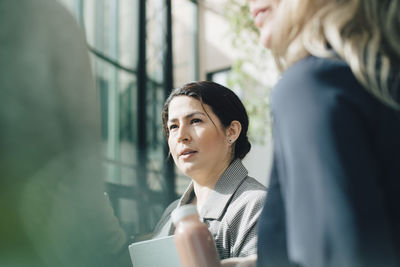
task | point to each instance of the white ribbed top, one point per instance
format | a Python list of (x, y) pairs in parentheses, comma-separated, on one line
[(182, 212)]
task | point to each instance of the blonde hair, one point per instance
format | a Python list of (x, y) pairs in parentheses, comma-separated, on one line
[(364, 33)]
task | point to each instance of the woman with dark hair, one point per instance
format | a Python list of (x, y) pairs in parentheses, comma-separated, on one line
[(206, 127)]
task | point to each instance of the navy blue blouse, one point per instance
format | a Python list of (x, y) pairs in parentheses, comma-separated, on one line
[(334, 190)]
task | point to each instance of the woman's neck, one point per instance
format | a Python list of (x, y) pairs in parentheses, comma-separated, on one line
[(201, 194), (204, 185)]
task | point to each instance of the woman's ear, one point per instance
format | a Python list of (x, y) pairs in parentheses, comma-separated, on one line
[(233, 131)]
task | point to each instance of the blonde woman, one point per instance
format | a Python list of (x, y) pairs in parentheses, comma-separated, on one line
[(333, 196)]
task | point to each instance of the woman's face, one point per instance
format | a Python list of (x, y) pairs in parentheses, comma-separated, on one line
[(265, 18), (198, 147)]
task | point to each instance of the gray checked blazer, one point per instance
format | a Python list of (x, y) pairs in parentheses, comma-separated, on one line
[(231, 212)]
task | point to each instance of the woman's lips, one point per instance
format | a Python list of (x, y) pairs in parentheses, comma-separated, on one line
[(260, 15), (187, 154)]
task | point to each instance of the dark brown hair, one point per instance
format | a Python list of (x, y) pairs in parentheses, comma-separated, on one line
[(225, 104)]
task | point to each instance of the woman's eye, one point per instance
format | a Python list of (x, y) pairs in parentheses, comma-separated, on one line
[(195, 121), (171, 127)]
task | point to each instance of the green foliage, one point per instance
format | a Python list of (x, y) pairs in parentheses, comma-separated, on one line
[(252, 61), (242, 25)]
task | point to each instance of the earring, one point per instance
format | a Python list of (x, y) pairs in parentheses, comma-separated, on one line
[(229, 141)]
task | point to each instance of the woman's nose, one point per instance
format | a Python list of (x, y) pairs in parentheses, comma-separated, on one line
[(183, 134)]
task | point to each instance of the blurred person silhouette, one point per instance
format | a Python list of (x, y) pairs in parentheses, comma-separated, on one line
[(333, 194), (52, 205), (206, 127)]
